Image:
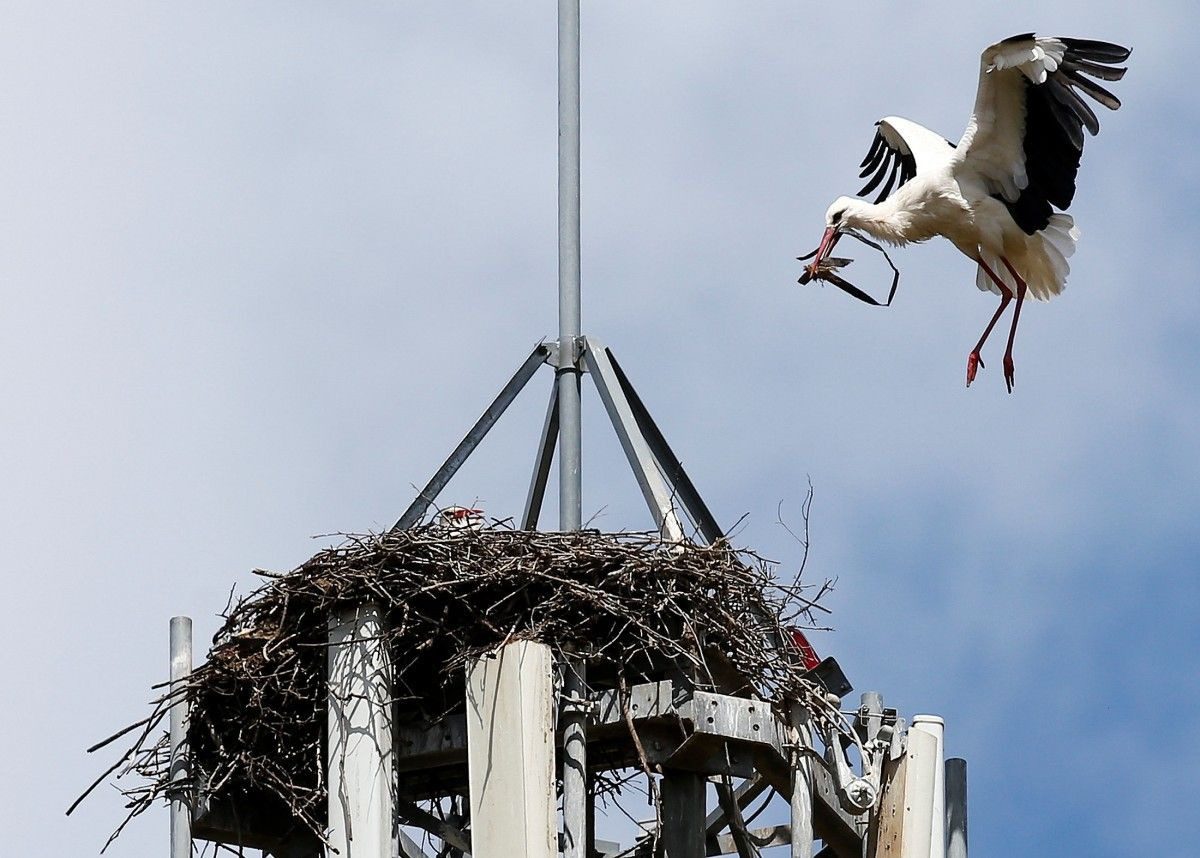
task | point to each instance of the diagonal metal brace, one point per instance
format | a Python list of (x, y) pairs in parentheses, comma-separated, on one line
[(731, 803), (409, 848), (637, 451), (468, 444), (541, 463), (668, 462), (412, 814)]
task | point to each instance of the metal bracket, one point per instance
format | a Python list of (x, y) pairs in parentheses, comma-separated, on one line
[(555, 355), (857, 794), (876, 731), (875, 727), (570, 705)]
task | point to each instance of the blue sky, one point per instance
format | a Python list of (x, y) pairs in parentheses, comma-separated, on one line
[(264, 263)]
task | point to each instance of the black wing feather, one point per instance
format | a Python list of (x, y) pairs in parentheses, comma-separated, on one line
[(1066, 96), (883, 153), (1055, 118), (885, 161), (875, 180), (908, 168), (891, 180), (1093, 89), (875, 152), (1094, 69), (1090, 49)]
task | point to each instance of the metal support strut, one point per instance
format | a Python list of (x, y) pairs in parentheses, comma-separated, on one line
[(467, 445), (654, 488), (181, 805)]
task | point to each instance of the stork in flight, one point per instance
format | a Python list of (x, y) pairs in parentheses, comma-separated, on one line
[(994, 194)]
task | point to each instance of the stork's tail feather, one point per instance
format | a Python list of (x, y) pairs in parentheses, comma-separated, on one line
[(1058, 243), (1044, 261)]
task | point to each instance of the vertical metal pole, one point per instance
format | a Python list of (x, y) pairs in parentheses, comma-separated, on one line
[(802, 784), (570, 485), (956, 808), (361, 804), (683, 804), (570, 435), (181, 809), (573, 707)]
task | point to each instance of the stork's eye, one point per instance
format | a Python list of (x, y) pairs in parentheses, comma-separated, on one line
[(837, 217)]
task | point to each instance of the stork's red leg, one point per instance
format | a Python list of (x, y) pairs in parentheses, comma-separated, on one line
[(1012, 333), (974, 361)]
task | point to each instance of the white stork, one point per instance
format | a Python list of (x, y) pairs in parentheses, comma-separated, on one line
[(994, 194)]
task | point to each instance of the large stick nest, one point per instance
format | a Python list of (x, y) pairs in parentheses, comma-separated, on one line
[(630, 604)]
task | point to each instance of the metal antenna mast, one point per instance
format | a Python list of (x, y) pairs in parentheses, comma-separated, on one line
[(570, 483), (570, 491)]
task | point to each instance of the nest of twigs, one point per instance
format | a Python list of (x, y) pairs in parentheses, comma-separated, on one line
[(628, 603)]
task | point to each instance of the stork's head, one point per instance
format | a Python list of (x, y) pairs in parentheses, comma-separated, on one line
[(837, 218), (844, 213)]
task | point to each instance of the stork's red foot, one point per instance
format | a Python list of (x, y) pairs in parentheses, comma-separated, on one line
[(1008, 371), (974, 363)]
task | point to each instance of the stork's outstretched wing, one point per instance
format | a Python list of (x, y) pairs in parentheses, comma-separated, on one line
[(1025, 138), (901, 149)]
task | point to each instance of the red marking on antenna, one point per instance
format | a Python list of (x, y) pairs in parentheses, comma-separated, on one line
[(806, 650)]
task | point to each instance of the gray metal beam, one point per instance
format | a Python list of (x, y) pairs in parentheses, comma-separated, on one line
[(248, 826), (732, 811), (408, 847), (637, 451), (181, 805), (680, 484), (307, 846), (802, 784), (413, 814), (573, 717), (745, 793), (831, 822), (541, 464), (412, 515), (668, 462), (683, 804), (758, 838), (570, 420)]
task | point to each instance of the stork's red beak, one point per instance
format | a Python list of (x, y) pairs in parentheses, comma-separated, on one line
[(828, 240)]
